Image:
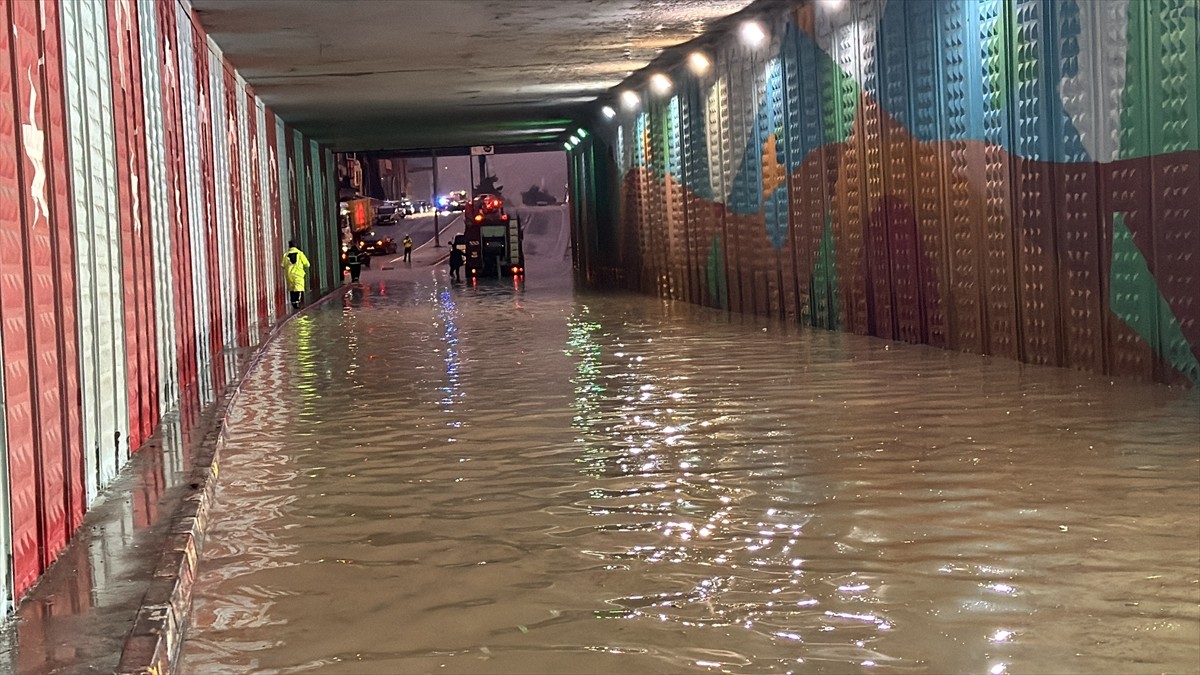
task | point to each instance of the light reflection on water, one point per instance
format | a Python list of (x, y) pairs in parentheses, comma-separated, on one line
[(484, 480)]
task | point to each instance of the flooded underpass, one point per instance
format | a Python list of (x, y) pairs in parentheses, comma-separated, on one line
[(433, 477)]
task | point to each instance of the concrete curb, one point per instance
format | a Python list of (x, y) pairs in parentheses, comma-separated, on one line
[(155, 642)]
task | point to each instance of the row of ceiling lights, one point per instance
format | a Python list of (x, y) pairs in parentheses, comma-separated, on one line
[(752, 34)]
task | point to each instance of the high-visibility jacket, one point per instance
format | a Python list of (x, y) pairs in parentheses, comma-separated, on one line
[(295, 268)]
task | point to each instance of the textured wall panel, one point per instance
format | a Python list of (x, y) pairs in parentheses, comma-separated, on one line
[(20, 436), (254, 201), (197, 175), (961, 160), (158, 188), (1016, 178), (234, 121), (110, 244), (280, 205), (131, 183), (97, 242), (1036, 260), (223, 276), (178, 211), (845, 125), (1075, 199), (1174, 126), (41, 281), (62, 244), (997, 259)]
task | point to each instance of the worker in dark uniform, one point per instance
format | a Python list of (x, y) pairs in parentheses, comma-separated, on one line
[(456, 262), (353, 258)]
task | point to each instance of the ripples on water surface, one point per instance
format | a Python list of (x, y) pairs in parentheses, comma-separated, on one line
[(434, 479)]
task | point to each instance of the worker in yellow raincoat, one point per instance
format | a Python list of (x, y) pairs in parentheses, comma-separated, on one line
[(295, 271)]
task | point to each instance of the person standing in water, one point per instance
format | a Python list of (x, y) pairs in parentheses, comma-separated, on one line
[(456, 262), (295, 270)]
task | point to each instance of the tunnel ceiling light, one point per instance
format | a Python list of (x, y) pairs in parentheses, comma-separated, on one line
[(699, 63), (630, 99), (608, 112), (660, 83), (753, 34)]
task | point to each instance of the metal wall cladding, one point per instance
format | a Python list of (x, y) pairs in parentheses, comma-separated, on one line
[(214, 234), (253, 205), (132, 200), (158, 188), (280, 207), (178, 156), (925, 106), (1174, 71), (997, 261), (961, 79), (115, 236), (196, 179), (850, 212), (92, 155), (282, 200), (1015, 178), (62, 243), (235, 139), (223, 262), (1033, 137), (694, 179), (20, 438), (677, 237), (41, 281)]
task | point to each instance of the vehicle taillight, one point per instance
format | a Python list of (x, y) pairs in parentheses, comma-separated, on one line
[(479, 218), (504, 217)]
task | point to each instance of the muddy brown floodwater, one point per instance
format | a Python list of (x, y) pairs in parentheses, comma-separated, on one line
[(426, 478)]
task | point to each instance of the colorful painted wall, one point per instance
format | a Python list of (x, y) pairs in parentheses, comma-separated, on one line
[(145, 196), (1009, 177)]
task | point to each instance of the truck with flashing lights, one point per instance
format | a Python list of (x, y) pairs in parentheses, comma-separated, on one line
[(494, 240)]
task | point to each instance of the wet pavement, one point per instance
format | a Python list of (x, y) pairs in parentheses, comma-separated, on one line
[(520, 477), (76, 619)]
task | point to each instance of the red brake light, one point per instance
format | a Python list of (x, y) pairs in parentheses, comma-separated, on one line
[(504, 217)]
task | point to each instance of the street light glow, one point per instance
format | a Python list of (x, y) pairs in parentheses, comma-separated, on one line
[(568, 146), (833, 5), (581, 132), (630, 99), (608, 112), (753, 33), (699, 63), (661, 83), (574, 140)]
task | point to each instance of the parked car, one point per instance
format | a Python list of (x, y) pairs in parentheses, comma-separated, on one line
[(373, 243), (406, 208)]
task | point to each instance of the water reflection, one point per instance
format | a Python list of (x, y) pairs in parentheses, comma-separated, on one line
[(469, 479)]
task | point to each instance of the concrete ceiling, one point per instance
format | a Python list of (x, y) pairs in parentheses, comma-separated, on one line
[(406, 74)]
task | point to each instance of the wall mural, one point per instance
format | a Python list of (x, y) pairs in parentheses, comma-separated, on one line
[(1017, 178)]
